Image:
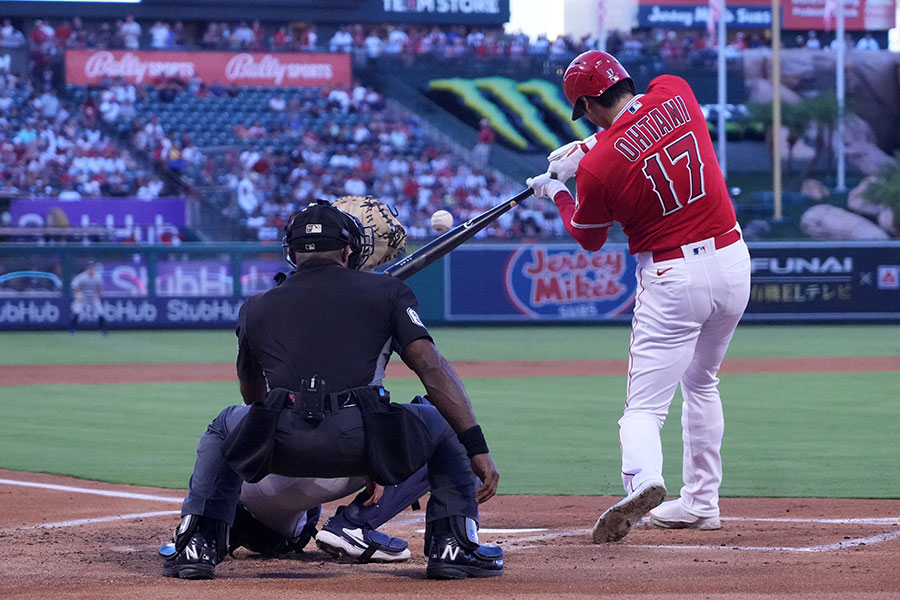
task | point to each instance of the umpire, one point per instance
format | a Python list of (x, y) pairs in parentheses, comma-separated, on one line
[(311, 358)]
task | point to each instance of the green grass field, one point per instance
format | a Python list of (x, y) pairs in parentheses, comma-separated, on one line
[(827, 435)]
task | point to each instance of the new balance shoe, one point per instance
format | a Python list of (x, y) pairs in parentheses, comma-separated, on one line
[(340, 538), (196, 561), (198, 545), (673, 515), (616, 522), (448, 559)]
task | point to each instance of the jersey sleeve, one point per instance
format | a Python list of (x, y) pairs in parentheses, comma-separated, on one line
[(248, 367), (407, 324), (591, 209)]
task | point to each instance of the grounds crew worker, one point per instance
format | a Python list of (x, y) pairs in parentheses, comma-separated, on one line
[(311, 358)]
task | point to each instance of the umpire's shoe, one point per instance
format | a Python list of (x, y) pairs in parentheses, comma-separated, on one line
[(200, 543), (454, 551), (449, 559), (616, 522), (342, 538)]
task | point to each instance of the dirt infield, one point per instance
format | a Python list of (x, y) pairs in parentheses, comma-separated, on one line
[(58, 545), (67, 538), (206, 372)]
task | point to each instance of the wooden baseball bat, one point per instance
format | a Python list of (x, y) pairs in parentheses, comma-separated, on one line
[(443, 244)]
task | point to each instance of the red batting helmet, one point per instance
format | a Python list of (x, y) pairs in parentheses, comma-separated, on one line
[(591, 74)]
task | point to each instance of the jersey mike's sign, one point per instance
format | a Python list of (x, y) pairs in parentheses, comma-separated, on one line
[(88, 67), (859, 15), (540, 282)]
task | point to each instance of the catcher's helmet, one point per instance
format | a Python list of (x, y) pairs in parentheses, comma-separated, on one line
[(320, 227), (590, 74)]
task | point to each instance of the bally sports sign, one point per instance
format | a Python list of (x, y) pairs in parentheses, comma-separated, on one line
[(88, 67)]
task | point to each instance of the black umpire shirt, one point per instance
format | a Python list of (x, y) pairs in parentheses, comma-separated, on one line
[(326, 320)]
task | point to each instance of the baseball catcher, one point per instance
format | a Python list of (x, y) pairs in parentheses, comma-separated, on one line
[(311, 359)]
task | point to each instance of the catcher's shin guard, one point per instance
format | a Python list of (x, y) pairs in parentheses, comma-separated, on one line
[(200, 543)]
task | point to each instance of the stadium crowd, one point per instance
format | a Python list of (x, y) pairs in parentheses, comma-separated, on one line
[(268, 166), (50, 147), (376, 40)]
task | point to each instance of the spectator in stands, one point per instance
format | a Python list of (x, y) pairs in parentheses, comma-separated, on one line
[(161, 37), (341, 41), (812, 41), (374, 45), (246, 193), (48, 104), (848, 42), (109, 107), (69, 193), (151, 189), (243, 36), (168, 88), (130, 30), (483, 143), (277, 103), (281, 39), (309, 39), (868, 42), (10, 37)]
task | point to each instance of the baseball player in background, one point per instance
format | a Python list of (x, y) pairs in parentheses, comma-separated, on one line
[(653, 169), (87, 288)]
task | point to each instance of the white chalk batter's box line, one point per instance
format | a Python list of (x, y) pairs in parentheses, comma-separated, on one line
[(520, 543)]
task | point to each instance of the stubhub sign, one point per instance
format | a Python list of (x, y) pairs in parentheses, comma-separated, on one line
[(124, 313)]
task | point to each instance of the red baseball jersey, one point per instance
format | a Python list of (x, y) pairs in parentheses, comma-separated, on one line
[(655, 172)]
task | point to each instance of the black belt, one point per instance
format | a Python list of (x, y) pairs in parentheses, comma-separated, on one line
[(335, 402)]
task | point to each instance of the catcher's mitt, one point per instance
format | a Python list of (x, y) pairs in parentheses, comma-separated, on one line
[(390, 236)]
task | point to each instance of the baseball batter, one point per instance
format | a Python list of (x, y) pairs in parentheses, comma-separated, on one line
[(653, 169), (87, 288)]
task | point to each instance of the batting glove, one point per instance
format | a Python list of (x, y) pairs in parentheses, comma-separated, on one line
[(545, 186), (564, 160)]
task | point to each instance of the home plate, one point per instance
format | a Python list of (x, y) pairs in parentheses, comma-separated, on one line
[(486, 530)]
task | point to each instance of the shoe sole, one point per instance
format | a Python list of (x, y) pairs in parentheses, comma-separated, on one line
[(454, 572), (702, 524), (616, 522), (340, 548), (191, 572)]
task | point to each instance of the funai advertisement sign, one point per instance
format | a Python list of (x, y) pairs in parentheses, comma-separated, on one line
[(539, 282), (810, 280), (824, 281)]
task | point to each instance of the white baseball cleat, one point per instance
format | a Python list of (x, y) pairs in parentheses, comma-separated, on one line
[(673, 515), (616, 522)]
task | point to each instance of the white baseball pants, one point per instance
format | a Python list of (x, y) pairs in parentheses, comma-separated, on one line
[(686, 311)]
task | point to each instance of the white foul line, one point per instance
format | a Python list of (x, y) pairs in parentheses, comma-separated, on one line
[(867, 541), (110, 493), (77, 522), (875, 539)]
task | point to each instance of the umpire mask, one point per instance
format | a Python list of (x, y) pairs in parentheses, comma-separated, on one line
[(321, 227)]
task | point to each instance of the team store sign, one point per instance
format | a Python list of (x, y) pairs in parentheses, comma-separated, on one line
[(90, 67)]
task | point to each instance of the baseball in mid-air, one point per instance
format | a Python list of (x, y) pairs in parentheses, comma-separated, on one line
[(441, 220)]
